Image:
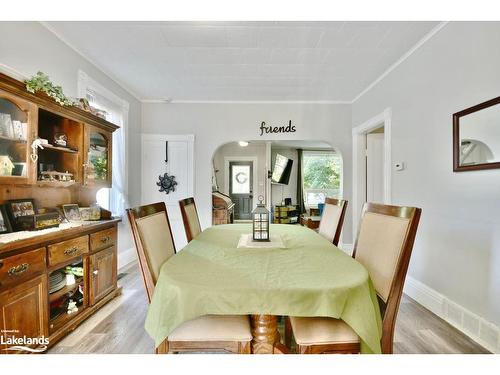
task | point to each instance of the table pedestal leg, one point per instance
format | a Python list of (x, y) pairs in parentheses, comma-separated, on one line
[(266, 338)]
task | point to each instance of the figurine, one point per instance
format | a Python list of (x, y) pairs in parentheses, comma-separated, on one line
[(72, 307), (60, 139)]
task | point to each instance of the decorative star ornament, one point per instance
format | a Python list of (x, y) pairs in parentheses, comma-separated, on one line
[(167, 183)]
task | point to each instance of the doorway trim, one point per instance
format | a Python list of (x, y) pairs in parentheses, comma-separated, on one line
[(359, 168), (253, 159)]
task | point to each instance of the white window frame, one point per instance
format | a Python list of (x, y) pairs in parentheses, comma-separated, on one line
[(311, 152), (86, 83)]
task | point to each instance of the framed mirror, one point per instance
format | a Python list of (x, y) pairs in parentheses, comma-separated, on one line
[(476, 137)]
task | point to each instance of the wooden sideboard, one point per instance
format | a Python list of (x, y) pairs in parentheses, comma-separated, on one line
[(32, 263), (26, 265)]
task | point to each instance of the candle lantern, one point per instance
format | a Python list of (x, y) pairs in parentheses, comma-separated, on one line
[(260, 220)]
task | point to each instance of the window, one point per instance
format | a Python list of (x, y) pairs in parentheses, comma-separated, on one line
[(322, 173), (240, 179), (114, 199)]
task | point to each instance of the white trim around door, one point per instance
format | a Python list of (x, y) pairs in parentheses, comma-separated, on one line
[(255, 185), (359, 166)]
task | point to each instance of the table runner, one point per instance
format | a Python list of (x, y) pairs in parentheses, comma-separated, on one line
[(311, 277)]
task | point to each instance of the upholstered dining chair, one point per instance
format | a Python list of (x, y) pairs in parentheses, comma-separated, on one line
[(384, 245), (332, 219), (190, 218), (155, 245)]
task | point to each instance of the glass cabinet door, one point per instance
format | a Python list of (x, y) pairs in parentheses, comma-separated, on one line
[(97, 167), (16, 124)]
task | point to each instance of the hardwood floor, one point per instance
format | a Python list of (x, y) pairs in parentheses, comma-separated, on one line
[(119, 327)]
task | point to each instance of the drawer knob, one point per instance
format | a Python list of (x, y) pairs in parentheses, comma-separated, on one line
[(71, 251), (105, 239), (18, 270), (95, 273)]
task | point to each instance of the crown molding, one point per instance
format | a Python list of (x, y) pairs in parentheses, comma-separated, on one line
[(110, 75), (11, 72), (166, 101), (419, 44)]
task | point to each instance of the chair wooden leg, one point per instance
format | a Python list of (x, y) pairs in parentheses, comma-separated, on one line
[(162, 348), (288, 332), (244, 347), (303, 349)]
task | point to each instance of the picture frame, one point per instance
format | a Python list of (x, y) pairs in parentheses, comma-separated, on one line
[(5, 226), (92, 213), (85, 213), (17, 208), (39, 221), (95, 213), (72, 212), (21, 207)]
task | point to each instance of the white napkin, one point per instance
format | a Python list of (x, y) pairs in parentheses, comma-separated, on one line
[(246, 241)]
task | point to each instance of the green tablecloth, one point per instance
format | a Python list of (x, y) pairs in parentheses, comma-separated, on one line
[(311, 277)]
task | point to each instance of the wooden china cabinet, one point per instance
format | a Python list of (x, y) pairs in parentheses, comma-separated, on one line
[(33, 265)]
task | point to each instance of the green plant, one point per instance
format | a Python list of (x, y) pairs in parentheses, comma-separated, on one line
[(100, 168), (41, 82), (321, 172)]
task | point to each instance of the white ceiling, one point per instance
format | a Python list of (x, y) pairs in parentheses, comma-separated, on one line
[(243, 61)]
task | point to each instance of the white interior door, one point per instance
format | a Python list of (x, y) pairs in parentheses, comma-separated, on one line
[(375, 167), (180, 164)]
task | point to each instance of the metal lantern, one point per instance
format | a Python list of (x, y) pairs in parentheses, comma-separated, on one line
[(260, 218)]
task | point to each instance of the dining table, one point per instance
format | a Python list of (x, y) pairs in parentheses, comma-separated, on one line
[(305, 276)]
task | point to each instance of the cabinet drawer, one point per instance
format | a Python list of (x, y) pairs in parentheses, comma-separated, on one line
[(21, 267), (66, 250), (102, 239)]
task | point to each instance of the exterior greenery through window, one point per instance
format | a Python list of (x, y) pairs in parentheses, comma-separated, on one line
[(322, 173)]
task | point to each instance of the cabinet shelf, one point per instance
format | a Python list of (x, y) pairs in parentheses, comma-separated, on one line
[(63, 318), (42, 183), (59, 149), (3, 138), (67, 289)]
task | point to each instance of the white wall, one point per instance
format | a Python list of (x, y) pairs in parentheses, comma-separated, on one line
[(215, 124), (457, 250), (279, 192), (28, 47)]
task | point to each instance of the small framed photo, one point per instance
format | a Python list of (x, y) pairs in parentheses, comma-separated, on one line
[(18, 208), (92, 213), (5, 226), (86, 213), (72, 212), (21, 207)]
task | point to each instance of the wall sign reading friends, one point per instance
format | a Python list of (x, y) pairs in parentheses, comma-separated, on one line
[(264, 129)]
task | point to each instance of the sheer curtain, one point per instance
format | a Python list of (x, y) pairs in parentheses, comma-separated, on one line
[(114, 199)]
